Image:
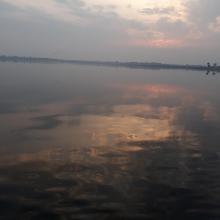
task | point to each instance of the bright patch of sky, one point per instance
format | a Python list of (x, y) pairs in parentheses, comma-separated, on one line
[(163, 30)]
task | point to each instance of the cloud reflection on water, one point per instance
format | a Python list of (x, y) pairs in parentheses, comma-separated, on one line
[(139, 150), (102, 127)]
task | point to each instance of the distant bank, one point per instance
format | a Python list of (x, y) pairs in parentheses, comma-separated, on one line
[(134, 65)]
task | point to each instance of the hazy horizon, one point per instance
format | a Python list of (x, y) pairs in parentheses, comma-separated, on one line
[(166, 31), (11, 56)]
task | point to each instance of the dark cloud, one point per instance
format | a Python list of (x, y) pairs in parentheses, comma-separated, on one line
[(172, 28), (154, 11), (203, 11)]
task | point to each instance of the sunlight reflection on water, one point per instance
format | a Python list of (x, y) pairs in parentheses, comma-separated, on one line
[(105, 143)]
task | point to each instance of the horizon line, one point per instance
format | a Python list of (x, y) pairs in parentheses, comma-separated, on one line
[(128, 64)]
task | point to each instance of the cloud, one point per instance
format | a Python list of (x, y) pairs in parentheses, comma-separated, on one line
[(58, 10), (160, 43), (172, 28), (113, 29), (202, 12), (215, 26), (160, 11)]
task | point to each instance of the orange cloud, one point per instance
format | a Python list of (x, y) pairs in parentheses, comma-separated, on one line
[(158, 43)]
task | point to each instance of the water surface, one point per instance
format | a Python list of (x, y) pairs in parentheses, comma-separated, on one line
[(85, 142)]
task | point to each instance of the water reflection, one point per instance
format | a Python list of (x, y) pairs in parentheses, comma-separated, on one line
[(128, 145)]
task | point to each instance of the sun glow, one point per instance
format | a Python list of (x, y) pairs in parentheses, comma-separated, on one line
[(146, 32)]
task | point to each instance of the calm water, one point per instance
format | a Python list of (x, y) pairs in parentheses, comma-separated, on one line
[(81, 142)]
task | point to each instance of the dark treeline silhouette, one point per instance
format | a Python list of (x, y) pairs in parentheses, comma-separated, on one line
[(137, 65)]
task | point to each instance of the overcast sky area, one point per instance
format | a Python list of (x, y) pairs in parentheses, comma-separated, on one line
[(169, 31)]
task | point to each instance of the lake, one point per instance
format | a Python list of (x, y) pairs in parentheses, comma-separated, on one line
[(86, 142)]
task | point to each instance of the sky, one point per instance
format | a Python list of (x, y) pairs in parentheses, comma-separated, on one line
[(169, 31)]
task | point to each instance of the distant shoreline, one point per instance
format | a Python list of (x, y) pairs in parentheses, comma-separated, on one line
[(133, 65)]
